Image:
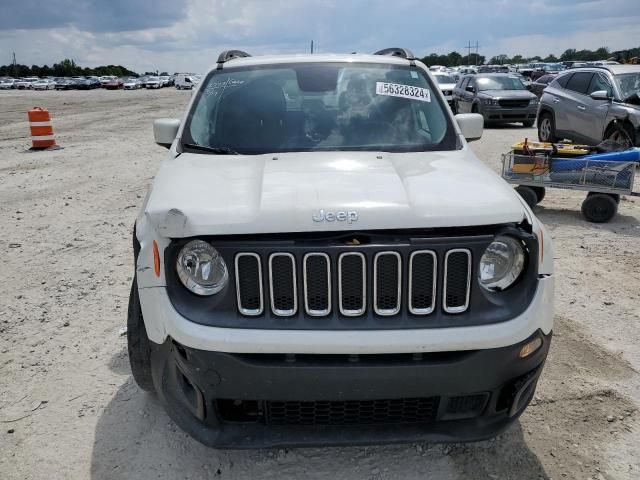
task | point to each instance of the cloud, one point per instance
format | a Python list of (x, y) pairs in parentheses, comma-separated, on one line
[(90, 15), (187, 35)]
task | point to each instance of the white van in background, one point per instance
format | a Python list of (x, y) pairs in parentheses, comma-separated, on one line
[(185, 81)]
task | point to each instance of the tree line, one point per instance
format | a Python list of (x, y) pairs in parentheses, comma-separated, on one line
[(68, 68), (65, 68), (454, 59)]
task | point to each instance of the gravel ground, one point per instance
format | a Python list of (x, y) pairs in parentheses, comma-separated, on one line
[(70, 410)]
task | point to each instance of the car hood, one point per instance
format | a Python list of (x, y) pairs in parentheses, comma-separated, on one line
[(196, 194), (511, 94)]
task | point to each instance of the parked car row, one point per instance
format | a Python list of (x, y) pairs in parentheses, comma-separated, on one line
[(87, 83)]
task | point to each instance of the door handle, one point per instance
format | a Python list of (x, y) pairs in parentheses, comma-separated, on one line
[(581, 107), (556, 100)]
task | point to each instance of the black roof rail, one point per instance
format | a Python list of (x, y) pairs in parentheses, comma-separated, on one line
[(231, 54), (397, 52)]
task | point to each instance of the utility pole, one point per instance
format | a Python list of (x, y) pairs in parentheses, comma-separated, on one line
[(312, 47), (468, 46), (15, 66)]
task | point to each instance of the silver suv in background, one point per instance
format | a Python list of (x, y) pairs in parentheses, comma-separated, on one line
[(584, 104), (498, 97)]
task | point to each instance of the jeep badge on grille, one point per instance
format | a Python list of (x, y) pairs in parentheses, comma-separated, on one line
[(349, 216)]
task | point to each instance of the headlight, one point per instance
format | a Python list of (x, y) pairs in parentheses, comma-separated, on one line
[(201, 268), (501, 264), (534, 101)]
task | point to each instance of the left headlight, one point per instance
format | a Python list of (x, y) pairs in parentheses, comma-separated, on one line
[(201, 268), (501, 264)]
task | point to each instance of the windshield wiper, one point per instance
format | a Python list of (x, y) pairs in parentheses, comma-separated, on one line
[(215, 150)]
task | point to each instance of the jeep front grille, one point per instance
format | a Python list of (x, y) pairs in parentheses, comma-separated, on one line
[(323, 284)]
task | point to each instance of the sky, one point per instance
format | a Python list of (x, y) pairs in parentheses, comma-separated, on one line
[(188, 35)]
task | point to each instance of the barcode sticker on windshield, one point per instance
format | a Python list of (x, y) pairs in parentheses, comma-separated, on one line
[(403, 91)]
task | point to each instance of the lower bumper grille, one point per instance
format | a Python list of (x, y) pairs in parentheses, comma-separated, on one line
[(352, 412)]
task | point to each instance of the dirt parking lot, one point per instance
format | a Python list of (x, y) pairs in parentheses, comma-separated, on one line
[(69, 408)]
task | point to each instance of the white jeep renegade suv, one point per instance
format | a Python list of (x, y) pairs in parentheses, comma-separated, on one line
[(322, 260)]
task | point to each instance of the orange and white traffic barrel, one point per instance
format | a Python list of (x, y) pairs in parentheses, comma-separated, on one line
[(41, 129)]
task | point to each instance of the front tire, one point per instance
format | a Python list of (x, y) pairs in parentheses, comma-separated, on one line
[(138, 342), (621, 134), (546, 128), (599, 207)]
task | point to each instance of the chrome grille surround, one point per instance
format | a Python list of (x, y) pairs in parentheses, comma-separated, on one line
[(456, 308), (316, 312), (346, 311), (283, 312), (434, 281), (396, 309), (249, 311)]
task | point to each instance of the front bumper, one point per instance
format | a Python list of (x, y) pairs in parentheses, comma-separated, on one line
[(506, 115), (163, 321), (237, 400)]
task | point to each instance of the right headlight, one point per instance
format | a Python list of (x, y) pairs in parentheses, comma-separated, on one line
[(501, 264), (201, 268)]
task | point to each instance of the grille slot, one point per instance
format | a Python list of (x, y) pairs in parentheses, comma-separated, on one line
[(423, 265), (457, 280), (249, 284), (283, 284), (517, 103), (387, 282), (352, 412), (317, 284), (352, 284)]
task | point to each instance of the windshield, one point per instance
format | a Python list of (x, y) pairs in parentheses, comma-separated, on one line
[(318, 107), (444, 79), (510, 82), (629, 83)]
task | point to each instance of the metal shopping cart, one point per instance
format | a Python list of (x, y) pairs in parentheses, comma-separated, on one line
[(605, 180)]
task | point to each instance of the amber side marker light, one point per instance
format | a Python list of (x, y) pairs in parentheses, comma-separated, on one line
[(530, 347), (156, 259)]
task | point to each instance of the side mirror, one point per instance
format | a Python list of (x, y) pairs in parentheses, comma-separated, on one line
[(470, 88), (471, 125), (600, 95), (165, 131)]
